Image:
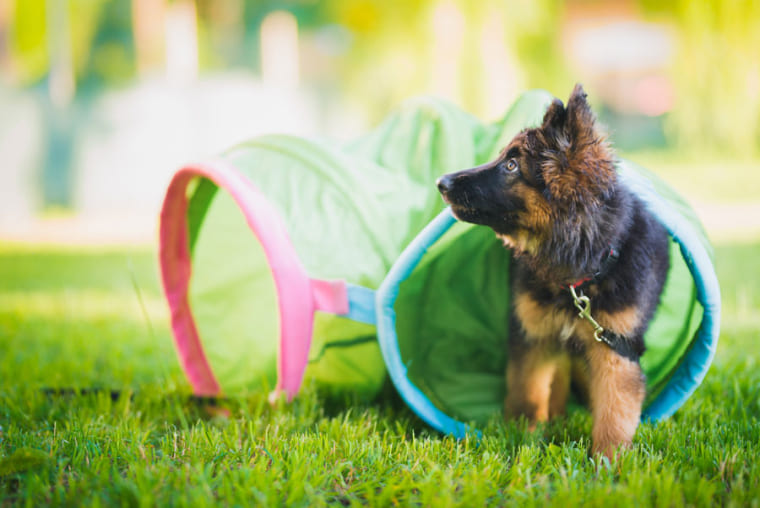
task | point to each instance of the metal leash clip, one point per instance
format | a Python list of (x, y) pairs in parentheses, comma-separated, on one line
[(583, 304)]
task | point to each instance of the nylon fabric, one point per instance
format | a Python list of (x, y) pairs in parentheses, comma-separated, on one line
[(353, 212)]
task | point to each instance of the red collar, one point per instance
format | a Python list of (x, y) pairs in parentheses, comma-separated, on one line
[(578, 283), (610, 259)]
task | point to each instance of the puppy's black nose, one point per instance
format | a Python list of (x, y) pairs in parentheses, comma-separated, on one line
[(444, 184)]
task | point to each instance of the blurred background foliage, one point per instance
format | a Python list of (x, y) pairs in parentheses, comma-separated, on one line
[(677, 77), (715, 73)]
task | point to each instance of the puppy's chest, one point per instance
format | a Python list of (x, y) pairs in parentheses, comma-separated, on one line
[(545, 322), (556, 324)]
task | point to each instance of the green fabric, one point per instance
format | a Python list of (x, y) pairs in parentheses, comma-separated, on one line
[(350, 210), (452, 318), (344, 355), (674, 325), (203, 192), (233, 299)]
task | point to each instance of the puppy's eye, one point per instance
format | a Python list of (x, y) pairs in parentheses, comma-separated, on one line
[(512, 165)]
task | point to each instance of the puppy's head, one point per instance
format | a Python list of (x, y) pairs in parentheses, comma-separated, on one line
[(559, 172)]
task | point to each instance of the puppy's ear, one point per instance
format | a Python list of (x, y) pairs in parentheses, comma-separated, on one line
[(581, 168), (554, 116), (580, 118)]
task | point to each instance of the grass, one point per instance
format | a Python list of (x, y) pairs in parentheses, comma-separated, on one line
[(72, 319)]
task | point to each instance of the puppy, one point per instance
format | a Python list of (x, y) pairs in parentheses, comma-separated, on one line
[(589, 265)]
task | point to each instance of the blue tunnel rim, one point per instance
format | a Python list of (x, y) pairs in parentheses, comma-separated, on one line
[(685, 379)]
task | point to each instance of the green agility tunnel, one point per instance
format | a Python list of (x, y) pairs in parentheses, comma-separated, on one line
[(287, 259)]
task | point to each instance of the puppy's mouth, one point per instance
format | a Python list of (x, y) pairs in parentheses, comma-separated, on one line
[(460, 201), (501, 224), (465, 213), (460, 211), (456, 206)]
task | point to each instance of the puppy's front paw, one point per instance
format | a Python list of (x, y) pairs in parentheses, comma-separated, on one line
[(609, 446), (516, 408)]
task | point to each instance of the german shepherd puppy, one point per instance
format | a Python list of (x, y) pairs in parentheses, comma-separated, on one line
[(581, 241)]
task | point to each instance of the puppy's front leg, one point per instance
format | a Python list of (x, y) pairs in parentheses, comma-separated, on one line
[(560, 387), (530, 372), (617, 392)]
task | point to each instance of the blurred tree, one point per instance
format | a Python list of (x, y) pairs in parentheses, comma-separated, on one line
[(534, 30), (486, 51), (60, 47), (28, 41), (99, 33), (221, 28), (716, 75), (104, 49), (528, 37), (389, 54)]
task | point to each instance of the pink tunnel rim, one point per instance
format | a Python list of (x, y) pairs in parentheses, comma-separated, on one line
[(297, 295)]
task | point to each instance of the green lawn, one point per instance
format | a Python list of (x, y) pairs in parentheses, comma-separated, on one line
[(72, 318)]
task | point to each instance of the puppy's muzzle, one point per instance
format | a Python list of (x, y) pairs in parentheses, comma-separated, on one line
[(445, 183)]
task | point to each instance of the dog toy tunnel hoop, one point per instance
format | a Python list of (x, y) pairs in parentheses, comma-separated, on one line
[(683, 381), (299, 296), (287, 259)]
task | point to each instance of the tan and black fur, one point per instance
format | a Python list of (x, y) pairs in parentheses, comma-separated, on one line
[(554, 198)]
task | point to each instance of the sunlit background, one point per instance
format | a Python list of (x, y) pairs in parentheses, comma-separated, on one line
[(101, 100)]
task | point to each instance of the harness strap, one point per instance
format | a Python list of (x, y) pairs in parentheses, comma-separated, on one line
[(618, 343), (621, 345)]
